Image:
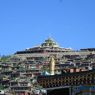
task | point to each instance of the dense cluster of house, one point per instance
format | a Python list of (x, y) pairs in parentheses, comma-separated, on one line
[(18, 73)]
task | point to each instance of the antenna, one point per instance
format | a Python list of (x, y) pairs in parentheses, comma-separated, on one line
[(49, 35)]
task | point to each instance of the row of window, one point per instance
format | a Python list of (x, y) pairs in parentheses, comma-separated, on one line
[(65, 81)]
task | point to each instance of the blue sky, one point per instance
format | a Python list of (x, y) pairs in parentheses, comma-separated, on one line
[(26, 23)]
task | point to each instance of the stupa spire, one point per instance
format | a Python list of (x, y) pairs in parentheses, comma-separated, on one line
[(52, 65)]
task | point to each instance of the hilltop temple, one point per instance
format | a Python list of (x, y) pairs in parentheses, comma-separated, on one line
[(47, 48)]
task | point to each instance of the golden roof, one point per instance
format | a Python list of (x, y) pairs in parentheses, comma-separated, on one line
[(49, 43)]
